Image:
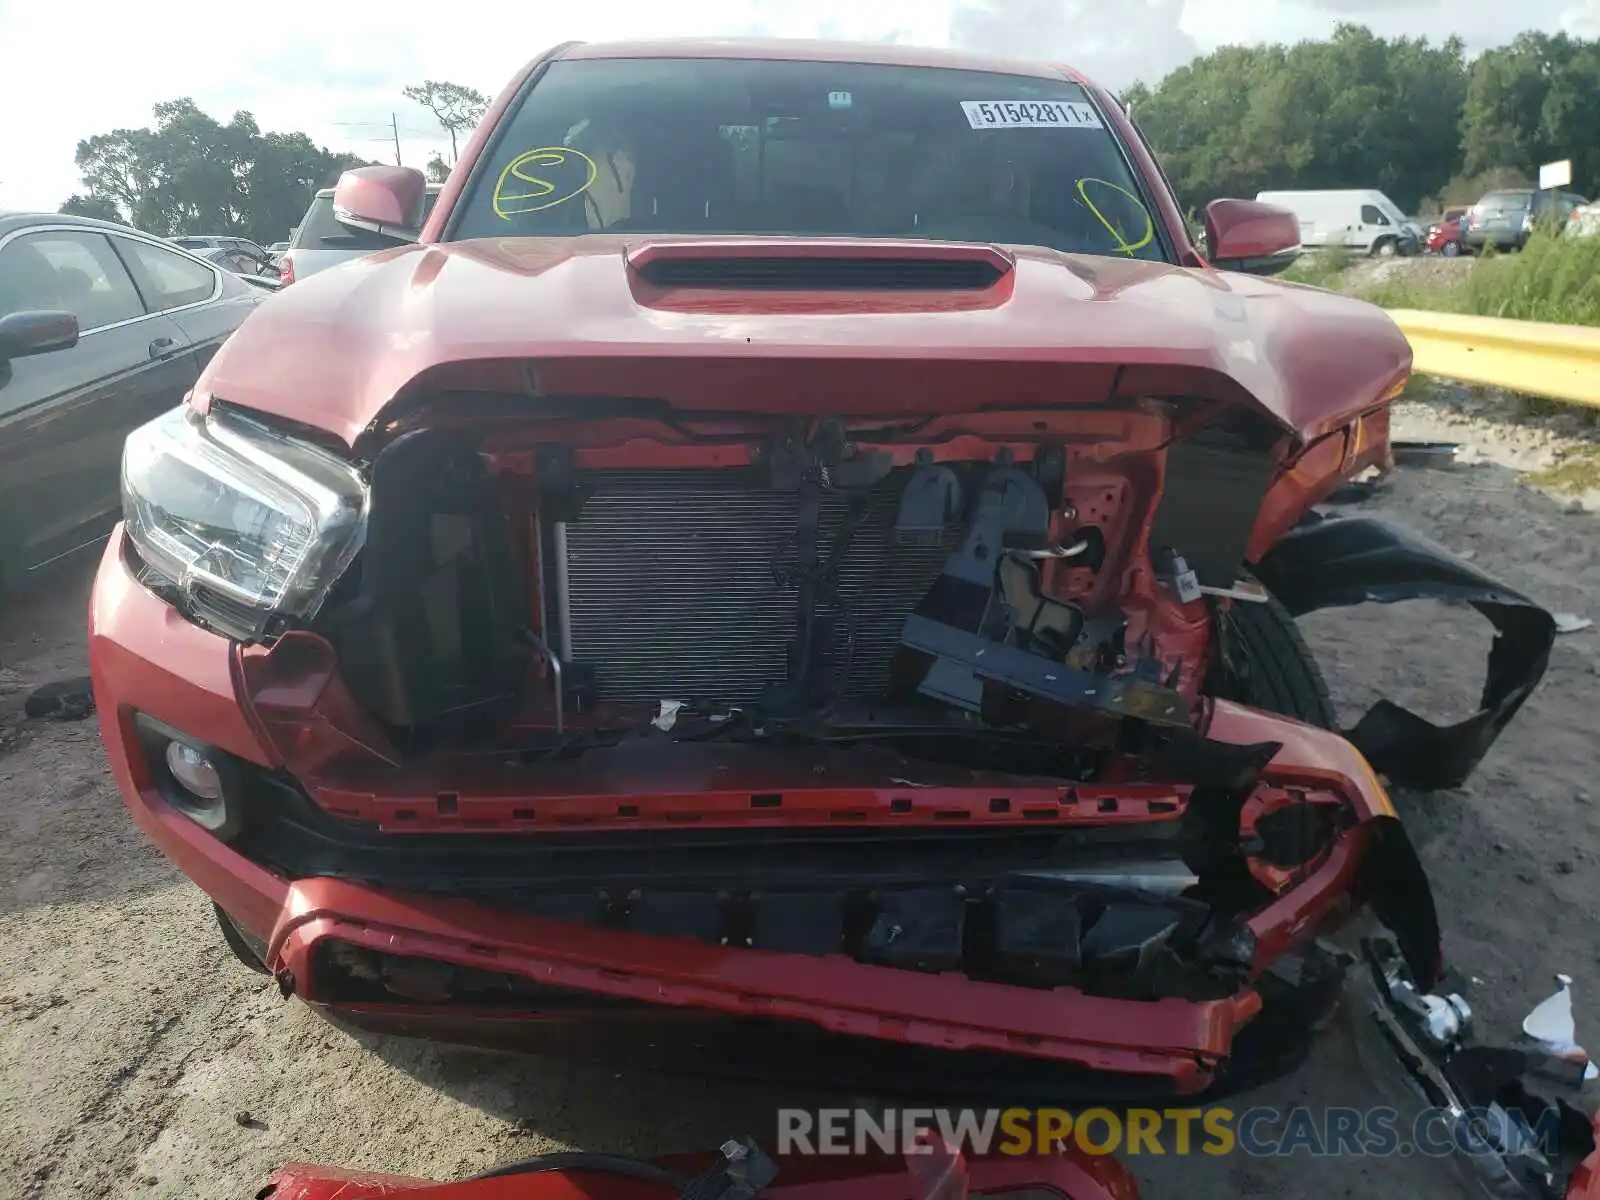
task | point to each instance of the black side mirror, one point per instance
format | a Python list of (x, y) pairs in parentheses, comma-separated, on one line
[(41, 331)]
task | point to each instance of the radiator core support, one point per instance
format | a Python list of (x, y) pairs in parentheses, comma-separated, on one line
[(680, 584)]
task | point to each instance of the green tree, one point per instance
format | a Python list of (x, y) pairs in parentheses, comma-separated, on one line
[(1532, 102), (438, 170), (1354, 111), (1466, 189), (193, 174), (455, 107), (88, 206)]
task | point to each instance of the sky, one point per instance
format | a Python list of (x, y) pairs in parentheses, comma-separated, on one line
[(340, 80)]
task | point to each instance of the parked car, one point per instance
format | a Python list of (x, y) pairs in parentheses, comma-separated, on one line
[(277, 248), (240, 262), (1584, 221), (323, 241), (803, 543), (101, 328), (221, 242), (1359, 219), (1444, 235), (1505, 219)]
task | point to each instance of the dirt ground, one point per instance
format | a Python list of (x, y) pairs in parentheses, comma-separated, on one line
[(137, 1059)]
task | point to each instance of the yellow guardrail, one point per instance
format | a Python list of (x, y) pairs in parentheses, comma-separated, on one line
[(1561, 362)]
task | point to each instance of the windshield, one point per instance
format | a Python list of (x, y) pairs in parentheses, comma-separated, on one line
[(719, 146), (1502, 202)]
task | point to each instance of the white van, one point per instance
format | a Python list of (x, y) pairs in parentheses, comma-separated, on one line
[(1361, 219)]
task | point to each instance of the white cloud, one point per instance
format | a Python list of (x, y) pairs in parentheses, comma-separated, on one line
[(1479, 23), (338, 76), (1582, 20), (1116, 43)]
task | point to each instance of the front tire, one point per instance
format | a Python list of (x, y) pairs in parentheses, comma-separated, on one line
[(1451, 250), (1385, 248), (1269, 666)]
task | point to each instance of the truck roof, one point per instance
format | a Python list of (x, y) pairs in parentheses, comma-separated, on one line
[(806, 50)]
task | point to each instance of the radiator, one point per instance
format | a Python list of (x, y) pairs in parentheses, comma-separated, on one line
[(673, 593)]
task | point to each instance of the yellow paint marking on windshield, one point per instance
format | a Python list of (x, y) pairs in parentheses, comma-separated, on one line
[(518, 191), (1123, 244)]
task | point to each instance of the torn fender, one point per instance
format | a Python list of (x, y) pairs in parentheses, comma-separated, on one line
[(1334, 562), (1401, 897)]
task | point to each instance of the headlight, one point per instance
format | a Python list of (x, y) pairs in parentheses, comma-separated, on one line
[(251, 526)]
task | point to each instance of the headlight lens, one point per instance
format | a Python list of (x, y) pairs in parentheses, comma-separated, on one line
[(253, 527)]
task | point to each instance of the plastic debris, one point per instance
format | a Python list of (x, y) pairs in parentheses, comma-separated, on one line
[(1425, 454), (667, 715), (1571, 622), (1553, 1026)]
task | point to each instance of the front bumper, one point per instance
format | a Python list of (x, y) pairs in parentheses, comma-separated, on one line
[(932, 1172), (148, 662)]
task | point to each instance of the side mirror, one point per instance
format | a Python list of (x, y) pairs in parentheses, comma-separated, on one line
[(384, 200), (41, 331), (1248, 236)]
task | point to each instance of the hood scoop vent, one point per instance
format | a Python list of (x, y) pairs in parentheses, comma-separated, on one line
[(812, 266)]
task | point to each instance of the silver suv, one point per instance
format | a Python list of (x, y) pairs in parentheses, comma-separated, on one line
[(1505, 219), (322, 240)]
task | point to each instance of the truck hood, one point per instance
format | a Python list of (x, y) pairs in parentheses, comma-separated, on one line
[(578, 316)]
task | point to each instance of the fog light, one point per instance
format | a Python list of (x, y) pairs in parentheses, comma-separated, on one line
[(194, 771), (199, 778)]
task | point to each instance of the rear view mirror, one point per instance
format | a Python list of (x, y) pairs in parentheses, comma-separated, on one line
[(384, 200), (1248, 236), (41, 331)]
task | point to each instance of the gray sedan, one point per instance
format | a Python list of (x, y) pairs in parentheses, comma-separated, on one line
[(101, 329)]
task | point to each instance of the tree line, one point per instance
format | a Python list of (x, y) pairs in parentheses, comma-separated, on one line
[(1418, 120), (189, 173)]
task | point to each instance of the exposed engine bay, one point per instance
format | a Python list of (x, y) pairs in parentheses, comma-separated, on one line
[(940, 696), (820, 603), (972, 581)]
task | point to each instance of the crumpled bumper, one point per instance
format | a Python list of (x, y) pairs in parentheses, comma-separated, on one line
[(935, 1174), (148, 661)]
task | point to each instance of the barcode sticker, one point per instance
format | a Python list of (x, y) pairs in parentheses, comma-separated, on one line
[(1030, 114)]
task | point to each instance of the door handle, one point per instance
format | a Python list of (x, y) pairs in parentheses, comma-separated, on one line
[(163, 347)]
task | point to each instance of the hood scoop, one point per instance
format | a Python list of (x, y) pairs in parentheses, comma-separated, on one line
[(812, 265)]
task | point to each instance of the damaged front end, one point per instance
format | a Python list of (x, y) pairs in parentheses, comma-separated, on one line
[(901, 729), (1516, 1118), (1338, 562), (929, 1168)]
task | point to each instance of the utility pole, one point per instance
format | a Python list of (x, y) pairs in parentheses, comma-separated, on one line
[(394, 123)]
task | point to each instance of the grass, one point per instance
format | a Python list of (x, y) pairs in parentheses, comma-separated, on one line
[(1578, 471), (1552, 279), (1321, 268)]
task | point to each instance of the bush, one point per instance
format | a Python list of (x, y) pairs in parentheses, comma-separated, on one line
[(1469, 189), (1553, 279), (1320, 268)]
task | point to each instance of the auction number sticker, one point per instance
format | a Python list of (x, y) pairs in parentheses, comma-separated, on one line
[(1030, 114)]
